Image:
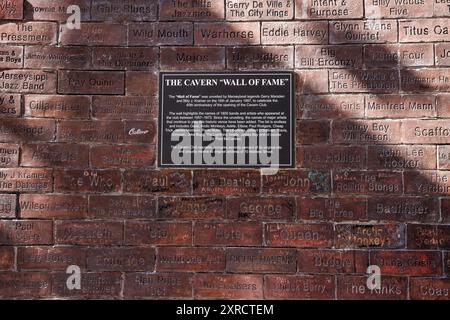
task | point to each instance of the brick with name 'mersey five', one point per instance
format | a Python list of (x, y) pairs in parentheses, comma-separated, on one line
[(191, 208), (160, 33), (228, 234), (332, 261), (32, 33), (8, 204), (158, 233), (28, 81), (370, 236), (54, 258), (26, 232), (87, 180), (160, 285), (185, 259), (122, 206), (11, 9), (89, 232), (94, 34), (57, 106), (299, 287), (26, 180), (91, 82), (228, 286), (52, 206)]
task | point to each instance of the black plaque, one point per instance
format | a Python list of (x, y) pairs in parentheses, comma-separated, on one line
[(226, 119)]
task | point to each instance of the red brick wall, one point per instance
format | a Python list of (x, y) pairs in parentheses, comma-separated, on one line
[(371, 186)]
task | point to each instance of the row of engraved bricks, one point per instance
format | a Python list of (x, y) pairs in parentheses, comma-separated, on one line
[(227, 33), (194, 58), (243, 234), (145, 83), (220, 286)]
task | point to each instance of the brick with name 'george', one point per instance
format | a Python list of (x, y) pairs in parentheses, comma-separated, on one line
[(370, 236), (191, 10), (94, 34), (25, 232), (261, 208), (28, 81), (32, 33), (57, 106), (52, 206), (298, 32), (122, 206), (26, 180)]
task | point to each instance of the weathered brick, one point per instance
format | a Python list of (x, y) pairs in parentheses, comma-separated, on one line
[(299, 287), (94, 34), (122, 206), (445, 210), (11, 57), (398, 55), (25, 284), (87, 180), (53, 258), (11, 9), (57, 11), (52, 206), (314, 32), (89, 232), (140, 83), (405, 209), (429, 289), (401, 157), (90, 131), (120, 259), (121, 107), (8, 204), (447, 262), (25, 232), (260, 57), (444, 157), (10, 105), (408, 262), (312, 131), (311, 9), (261, 208), (160, 33), (420, 30), (18, 130), (158, 233), (442, 101), (160, 285), (330, 106), (228, 234), (122, 156), (28, 33), (236, 33), (319, 235), (192, 58), (425, 80), (224, 182), (363, 31), (57, 57), (261, 260), (9, 155), (28, 81), (157, 181), (421, 236), (297, 182), (184, 259), (370, 236), (57, 106), (427, 182), (367, 131), (373, 81), (94, 285), (324, 56), (26, 180), (195, 11), (124, 58), (228, 286), (442, 54), (331, 157), (332, 261), (311, 81), (355, 287), (118, 10), (331, 209), (91, 82), (6, 258), (55, 155), (191, 208)]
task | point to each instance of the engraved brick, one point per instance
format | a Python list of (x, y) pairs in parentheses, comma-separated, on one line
[(427, 182), (28, 33), (429, 289), (400, 106), (57, 57), (28, 81), (402, 157), (443, 157), (94, 34), (331, 157), (408, 262), (191, 208), (50, 258), (330, 106), (319, 235), (245, 10), (425, 80), (405, 209), (89, 232), (120, 259), (6, 258), (55, 155), (140, 132), (55, 11), (9, 105), (91, 82), (441, 8), (120, 107), (312, 81), (187, 10), (230, 33), (94, 285), (52, 206), (125, 58), (261, 260), (57, 106), (160, 33), (11, 9), (161, 285), (260, 57), (160, 181), (261, 208), (190, 259), (370, 236), (332, 261), (442, 101), (122, 156), (87, 180), (299, 287), (331, 209), (399, 9), (442, 53), (312, 131), (119, 10), (393, 55), (226, 182), (122, 206), (363, 31), (228, 234), (294, 32), (297, 182), (26, 180), (228, 286), (8, 206), (25, 284), (420, 30), (25, 232), (158, 233), (141, 83), (11, 57), (311, 9), (367, 182), (374, 81), (422, 236), (9, 155), (367, 131), (90, 131), (355, 287), (192, 58), (308, 57)]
